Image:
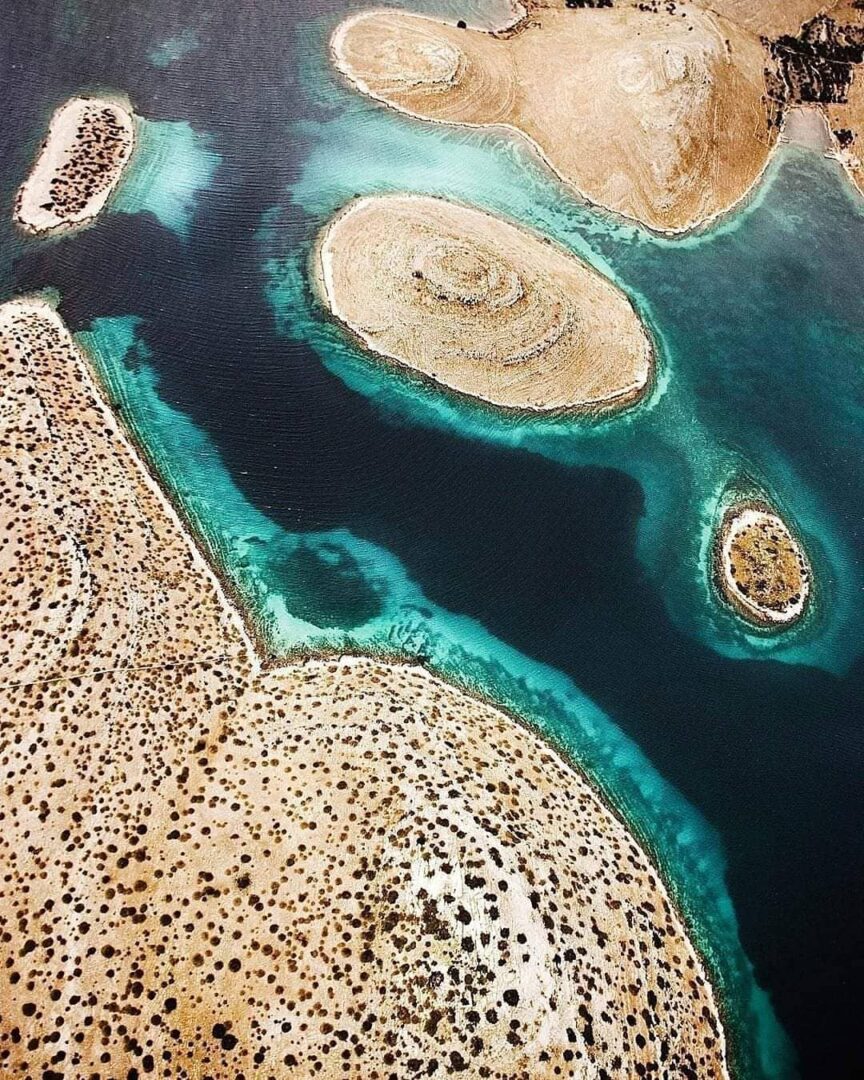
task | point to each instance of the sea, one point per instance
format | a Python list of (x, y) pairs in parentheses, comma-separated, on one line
[(557, 566)]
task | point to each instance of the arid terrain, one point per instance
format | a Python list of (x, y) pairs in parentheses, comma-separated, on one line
[(482, 306)]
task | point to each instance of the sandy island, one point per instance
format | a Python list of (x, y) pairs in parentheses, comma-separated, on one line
[(89, 143), (841, 37), (658, 112), (481, 306), (760, 567), (342, 868)]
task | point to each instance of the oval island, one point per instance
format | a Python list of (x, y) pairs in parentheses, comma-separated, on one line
[(482, 306), (89, 143), (760, 567)]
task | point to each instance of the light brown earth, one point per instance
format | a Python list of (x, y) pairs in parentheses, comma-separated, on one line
[(760, 566), (764, 17), (481, 306), (660, 115), (770, 18), (89, 143), (342, 868)]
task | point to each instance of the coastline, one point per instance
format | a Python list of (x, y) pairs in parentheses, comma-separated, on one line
[(320, 273), (269, 662), (260, 664)]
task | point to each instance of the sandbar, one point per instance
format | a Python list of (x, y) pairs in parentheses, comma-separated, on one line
[(481, 306), (212, 866), (88, 145), (760, 566), (657, 112)]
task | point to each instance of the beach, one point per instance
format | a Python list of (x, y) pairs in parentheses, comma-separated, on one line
[(659, 115), (344, 866), (481, 306), (88, 145)]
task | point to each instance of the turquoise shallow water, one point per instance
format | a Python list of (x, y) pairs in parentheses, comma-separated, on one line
[(171, 163), (558, 567)]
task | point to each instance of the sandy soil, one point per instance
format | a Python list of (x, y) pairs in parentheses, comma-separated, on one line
[(340, 868), (659, 115), (481, 306), (769, 17), (761, 567), (89, 143)]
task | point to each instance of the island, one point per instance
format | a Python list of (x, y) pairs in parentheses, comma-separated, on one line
[(481, 306), (760, 567), (89, 144), (211, 865), (659, 112)]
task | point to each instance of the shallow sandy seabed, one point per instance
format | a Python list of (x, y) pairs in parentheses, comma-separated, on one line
[(659, 115), (89, 143), (760, 567), (481, 306), (343, 868)]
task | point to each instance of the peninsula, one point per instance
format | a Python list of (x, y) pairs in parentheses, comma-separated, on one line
[(656, 111), (338, 868), (481, 306), (89, 143), (760, 567)]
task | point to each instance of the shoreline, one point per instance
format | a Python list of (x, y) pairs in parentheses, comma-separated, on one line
[(240, 616), (609, 405), (119, 430), (503, 33)]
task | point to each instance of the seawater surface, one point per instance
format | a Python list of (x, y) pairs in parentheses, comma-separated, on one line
[(555, 566)]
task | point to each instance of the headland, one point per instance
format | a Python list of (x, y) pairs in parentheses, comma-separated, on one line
[(344, 867), (658, 112)]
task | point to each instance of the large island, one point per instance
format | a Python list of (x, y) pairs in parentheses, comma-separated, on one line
[(482, 306), (338, 868)]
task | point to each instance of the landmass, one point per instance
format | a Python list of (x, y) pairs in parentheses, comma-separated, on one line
[(481, 306), (760, 566), (89, 143), (214, 867), (658, 112)]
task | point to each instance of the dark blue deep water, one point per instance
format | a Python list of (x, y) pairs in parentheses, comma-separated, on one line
[(556, 567)]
